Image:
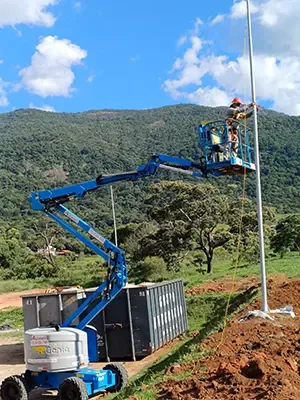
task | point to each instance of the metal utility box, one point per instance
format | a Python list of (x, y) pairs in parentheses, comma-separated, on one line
[(140, 320), (44, 310)]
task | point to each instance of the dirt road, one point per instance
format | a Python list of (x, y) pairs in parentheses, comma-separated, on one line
[(13, 299)]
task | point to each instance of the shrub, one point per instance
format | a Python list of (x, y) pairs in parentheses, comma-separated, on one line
[(151, 269)]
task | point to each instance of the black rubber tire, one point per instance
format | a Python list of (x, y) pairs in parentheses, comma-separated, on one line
[(29, 381), (14, 388), (72, 389), (121, 377)]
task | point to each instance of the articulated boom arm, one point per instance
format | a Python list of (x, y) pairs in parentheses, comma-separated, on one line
[(51, 202), (48, 198)]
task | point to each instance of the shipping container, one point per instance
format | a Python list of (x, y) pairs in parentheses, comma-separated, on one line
[(140, 320), (44, 310)]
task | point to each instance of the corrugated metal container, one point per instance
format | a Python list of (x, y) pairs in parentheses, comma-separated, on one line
[(140, 320), (42, 310)]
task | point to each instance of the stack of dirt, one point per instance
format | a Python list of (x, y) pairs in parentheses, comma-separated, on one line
[(257, 358), (227, 285)]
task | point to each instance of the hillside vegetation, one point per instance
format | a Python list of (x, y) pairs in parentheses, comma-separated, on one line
[(43, 150)]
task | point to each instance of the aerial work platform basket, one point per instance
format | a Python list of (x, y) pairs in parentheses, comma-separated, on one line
[(225, 152)]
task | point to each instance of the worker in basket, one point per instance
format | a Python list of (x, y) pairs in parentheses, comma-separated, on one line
[(217, 144), (236, 112)]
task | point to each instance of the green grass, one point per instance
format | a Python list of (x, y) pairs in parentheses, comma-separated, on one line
[(12, 316), (223, 266), (85, 271), (20, 285)]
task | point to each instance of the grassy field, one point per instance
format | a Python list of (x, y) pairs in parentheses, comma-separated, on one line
[(12, 316), (85, 271), (89, 272), (223, 266)]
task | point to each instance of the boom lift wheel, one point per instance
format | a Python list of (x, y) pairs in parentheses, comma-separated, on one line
[(14, 388), (72, 389), (121, 376), (28, 379)]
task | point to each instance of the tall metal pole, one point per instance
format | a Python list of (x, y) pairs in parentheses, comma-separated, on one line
[(114, 215), (265, 307)]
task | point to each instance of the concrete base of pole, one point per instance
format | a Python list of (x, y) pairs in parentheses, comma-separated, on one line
[(286, 311)]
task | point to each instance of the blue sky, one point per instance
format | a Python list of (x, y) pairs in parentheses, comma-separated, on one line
[(123, 54)]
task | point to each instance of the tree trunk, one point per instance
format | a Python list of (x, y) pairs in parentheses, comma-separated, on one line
[(209, 264), (209, 258)]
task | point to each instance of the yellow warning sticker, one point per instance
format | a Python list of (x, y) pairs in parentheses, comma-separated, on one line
[(39, 349)]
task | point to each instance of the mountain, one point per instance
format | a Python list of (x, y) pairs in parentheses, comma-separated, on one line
[(41, 150)]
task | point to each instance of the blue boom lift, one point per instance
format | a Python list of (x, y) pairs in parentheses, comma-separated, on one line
[(58, 357), (221, 155)]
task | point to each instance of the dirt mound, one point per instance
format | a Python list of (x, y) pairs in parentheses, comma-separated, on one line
[(227, 285), (257, 359)]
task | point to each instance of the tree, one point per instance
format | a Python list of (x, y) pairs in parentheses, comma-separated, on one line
[(151, 269), (191, 217), (287, 235), (244, 228), (48, 234), (130, 239)]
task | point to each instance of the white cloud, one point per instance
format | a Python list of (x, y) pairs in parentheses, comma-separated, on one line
[(270, 12), (14, 12), (218, 19), (3, 93), (198, 22), (50, 72), (239, 9), (206, 77), (77, 5), (91, 78), (182, 40), (191, 69), (45, 107), (210, 96)]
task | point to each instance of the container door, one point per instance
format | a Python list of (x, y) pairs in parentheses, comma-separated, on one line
[(30, 313), (49, 310), (140, 321), (117, 328), (70, 303)]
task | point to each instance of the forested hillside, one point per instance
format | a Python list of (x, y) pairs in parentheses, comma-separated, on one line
[(43, 150)]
